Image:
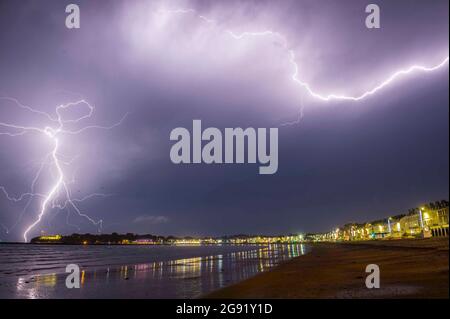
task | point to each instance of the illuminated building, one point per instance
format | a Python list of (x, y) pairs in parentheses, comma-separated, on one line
[(427, 221), (49, 238), (144, 241)]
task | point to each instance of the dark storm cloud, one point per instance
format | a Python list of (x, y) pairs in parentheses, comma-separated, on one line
[(345, 161)]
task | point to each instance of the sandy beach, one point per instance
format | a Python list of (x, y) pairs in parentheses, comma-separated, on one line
[(408, 269)]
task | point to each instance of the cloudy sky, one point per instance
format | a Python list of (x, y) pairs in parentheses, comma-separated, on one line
[(167, 63)]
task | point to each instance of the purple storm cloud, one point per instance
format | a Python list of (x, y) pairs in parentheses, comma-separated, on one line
[(362, 113)]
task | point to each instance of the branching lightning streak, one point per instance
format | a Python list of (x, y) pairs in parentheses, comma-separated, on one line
[(370, 92), (53, 133), (295, 67), (13, 130)]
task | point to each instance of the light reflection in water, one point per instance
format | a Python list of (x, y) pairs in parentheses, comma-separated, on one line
[(180, 278), (43, 282)]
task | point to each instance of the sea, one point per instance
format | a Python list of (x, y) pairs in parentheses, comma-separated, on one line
[(133, 271)]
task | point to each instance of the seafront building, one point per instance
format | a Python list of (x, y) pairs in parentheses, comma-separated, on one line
[(431, 220), (424, 222)]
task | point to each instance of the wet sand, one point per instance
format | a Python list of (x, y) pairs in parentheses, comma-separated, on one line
[(408, 269)]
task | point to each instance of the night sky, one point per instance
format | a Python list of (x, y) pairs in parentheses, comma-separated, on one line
[(343, 161)]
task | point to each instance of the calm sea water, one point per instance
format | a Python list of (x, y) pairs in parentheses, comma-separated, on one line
[(38, 271)]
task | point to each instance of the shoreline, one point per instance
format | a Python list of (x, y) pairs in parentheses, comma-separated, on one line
[(172, 272), (145, 245), (408, 269)]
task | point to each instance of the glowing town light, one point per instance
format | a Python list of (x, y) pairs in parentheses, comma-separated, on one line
[(51, 238), (421, 218)]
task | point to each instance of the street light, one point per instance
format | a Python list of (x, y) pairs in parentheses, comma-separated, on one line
[(421, 218)]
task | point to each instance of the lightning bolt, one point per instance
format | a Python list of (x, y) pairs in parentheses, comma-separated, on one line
[(295, 67), (53, 133)]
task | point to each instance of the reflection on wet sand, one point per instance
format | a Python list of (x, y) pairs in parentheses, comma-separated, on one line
[(180, 278), (42, 282)]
